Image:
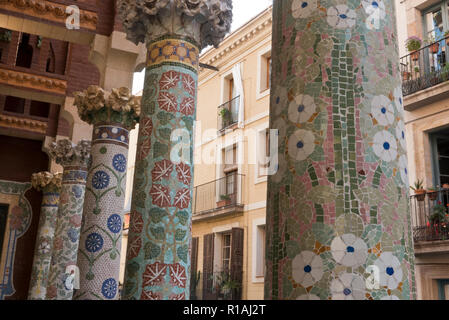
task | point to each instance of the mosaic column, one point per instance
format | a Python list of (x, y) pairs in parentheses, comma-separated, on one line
[(158, 261), (50, 185), (338, 221), (101, 231), (74, 159)]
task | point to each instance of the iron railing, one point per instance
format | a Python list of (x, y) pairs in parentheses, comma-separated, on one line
[(218, 194), (425, 67), (225, 285), (228, 113), (430, 217)]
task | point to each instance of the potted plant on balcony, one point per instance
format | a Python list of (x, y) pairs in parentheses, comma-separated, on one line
[(433, 45), (420, 192), (445, 185), (405, 75), (224, 285), (6, 36), (432, 193), (416, 69), (226, 116), (438, 214), (225, 200), (413, 44)]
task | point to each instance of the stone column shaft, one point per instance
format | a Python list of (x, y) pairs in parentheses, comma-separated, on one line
[(158, 256), (50, 185), (337, 209), (63, 270), (101, 232)]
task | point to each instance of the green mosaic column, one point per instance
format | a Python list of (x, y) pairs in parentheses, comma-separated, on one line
[(338, 221), (63, 270), (159, 239), (101, 232), (50, 185)]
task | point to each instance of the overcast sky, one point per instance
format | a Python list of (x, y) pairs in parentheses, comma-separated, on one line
[(243, 11)]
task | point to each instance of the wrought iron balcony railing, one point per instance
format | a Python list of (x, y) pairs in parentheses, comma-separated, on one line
[(218, 194), (430, 217), (425, 67), (221, 286), (228, 113)]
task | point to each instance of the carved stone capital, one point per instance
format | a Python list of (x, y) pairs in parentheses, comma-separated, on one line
[(119, 106), (205, 21), (46, 181), (66, 153)]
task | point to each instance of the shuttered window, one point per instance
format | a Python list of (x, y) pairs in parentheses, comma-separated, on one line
[(193, 268), (237, 261), (208, 266)]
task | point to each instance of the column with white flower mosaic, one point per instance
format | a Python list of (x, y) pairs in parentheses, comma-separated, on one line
[(74, 160), (338, 222), (50, 185), (158, 260), (113, 115)]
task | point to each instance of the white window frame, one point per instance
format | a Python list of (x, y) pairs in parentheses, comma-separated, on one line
[(261, 66), (218, 244), (258, 253), (260, 147)]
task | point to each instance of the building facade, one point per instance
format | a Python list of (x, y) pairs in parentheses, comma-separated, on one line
[(44, 59), (231, 138)]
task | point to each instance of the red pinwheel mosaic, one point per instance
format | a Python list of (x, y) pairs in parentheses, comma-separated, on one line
[(146, 125), (188, 84), (162, 170), (184, 174), (154, 274), (181, 296), (182, 198), (144, 149), (167, 102), (150, 295), (187, 106), (178, 275), (134, 245), (136, 224), (160, 196), (169, 80)]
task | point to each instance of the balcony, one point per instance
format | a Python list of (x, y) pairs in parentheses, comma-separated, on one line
[(228, 114), (220, 197), (221, 286), (430, 216), (425, 68)]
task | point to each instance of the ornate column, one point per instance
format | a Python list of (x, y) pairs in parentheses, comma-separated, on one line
[(74, 159), (174, 31), (338, 222), (50, 185), (101, 232)]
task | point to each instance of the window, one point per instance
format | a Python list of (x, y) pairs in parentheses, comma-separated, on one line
[(264, 72), (25, 52), (440, 146), (263, 155), (230, 170), (14, 104), (39, 109), (443, 289), (226, 252), (258, 250)]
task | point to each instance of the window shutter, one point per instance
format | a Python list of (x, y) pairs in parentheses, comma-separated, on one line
[(208, 266), (193, 268), (237, 262)]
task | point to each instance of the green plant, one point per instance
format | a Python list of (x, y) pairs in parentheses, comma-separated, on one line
[(224, 113), (6, 36), (413, 43), (225, 197), (418, 185), (224, 284), (438, 214), (416, 69)]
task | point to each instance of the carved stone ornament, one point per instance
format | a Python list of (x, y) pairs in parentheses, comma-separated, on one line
[(46, 180), (66, 153), (205, 21), (119, 106)]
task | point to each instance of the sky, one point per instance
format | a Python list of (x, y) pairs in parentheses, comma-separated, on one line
[(243, 11)]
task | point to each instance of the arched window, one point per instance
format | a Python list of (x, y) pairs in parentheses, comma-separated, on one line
[(25, 52)]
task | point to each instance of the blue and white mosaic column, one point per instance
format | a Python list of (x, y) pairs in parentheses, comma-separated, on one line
[(50, 185), (338, 220), (158, 259), (101, 233), (74, 159)]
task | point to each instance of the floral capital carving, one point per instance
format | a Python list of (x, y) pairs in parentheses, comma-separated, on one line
[(205, 21), (119, 106), (66, 153), (46, 181)]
